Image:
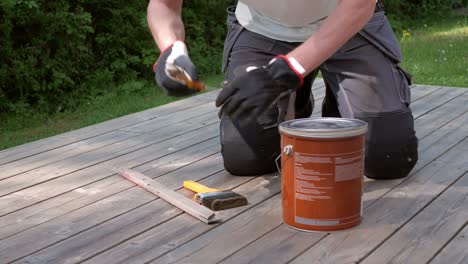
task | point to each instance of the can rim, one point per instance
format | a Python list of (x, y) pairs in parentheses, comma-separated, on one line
[(359, 129)]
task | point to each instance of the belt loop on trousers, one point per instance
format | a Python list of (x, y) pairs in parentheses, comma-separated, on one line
[(379, 6)]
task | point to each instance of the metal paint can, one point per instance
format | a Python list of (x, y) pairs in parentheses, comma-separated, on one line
[(322, 173)]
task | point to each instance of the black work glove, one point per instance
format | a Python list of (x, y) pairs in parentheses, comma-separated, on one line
[(172, 68), (259, 89)]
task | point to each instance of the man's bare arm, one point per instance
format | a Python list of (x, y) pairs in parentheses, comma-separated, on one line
[(348, 18), (165, 22)]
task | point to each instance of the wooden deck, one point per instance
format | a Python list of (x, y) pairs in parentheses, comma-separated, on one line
[(61, 201)]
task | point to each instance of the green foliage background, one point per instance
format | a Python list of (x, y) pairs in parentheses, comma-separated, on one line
[(403, 13), (57, 54), (54, 55)]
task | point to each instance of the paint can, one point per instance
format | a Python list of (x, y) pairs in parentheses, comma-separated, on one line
[(322, 164)]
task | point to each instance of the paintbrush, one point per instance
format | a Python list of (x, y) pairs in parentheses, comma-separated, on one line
[(182, 76), (215, 199)]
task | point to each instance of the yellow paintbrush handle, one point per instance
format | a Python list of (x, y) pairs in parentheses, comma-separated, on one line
[(197, 187)]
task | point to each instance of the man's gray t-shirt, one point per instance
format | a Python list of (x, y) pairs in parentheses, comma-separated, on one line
[(291, 21)]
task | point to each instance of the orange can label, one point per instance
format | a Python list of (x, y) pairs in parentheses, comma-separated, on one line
[(322, 183)]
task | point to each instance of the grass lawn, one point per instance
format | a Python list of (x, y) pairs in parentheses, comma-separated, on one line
[(435, 53)]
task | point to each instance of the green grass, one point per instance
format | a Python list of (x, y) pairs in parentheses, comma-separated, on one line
[(132, 97), (435, 53)]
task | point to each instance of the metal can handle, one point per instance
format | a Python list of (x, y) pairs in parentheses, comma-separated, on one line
[(287, 150)]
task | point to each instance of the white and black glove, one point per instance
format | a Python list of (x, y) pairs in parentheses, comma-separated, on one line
[(258, 89), (174, 70)]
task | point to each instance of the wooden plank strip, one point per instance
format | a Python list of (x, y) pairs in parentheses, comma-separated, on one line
[(88, 217), (108, 234), (156, 124), (318, 84), (189, 206), (420, 239), (444, 137), (387, 215), (35, 147), (279, 246), (437, 98), (41, 192), (104, 154), (169, 235), (231, 236), (455, 252), (50, 209), (420, 91), (27, 242), (59, 154), (319, 90), (438, 117), (373, 191), (20, 245), (87, 146), (39, 146)]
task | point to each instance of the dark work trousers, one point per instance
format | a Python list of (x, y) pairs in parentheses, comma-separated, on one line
[(363, 80)]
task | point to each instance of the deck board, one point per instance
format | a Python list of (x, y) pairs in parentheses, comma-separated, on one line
[(121, 227), (70, 201), (455, 251), (62, 201), (43, 145), (424, 235), (80, 178), (109, 152), (181, 229)]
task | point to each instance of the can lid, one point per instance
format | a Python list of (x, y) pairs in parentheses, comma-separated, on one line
[(324, 127)]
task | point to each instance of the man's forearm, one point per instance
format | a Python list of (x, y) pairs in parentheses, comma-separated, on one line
[(165, 22), (349, 18)]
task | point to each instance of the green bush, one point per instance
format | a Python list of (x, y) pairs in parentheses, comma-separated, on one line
[(205, 28), (420, 9)]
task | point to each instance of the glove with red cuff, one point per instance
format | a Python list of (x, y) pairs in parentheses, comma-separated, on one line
[(259, 89), (172, 68)]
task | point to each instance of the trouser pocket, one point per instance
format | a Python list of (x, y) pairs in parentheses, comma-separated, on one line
[(379, 32), (402, 83), (233, 31)]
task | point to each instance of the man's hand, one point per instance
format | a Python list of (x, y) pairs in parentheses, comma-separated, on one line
[(175, 71), (258, 89)]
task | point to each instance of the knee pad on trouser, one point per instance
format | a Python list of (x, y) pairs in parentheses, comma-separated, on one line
[(391, 144), (248, 148)]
